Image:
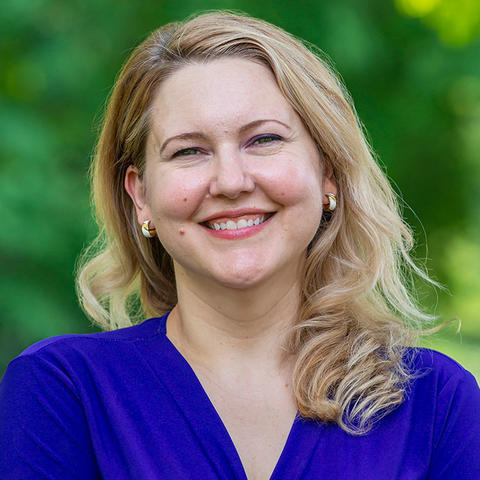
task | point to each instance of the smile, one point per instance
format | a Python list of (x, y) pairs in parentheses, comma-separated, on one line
[(237, 225), (245, 221)]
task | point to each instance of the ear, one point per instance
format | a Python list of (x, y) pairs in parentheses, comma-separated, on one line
[(136, 190), (329, 183)]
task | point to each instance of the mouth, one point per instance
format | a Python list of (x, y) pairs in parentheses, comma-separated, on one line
[(237, 223)]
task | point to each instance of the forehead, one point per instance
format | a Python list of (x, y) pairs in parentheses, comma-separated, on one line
[(218, 93)]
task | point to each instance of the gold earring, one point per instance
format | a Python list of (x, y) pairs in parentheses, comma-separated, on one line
[(332, 202), (147, 230)]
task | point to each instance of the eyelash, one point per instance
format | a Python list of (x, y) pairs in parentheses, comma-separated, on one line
[(184, 151), (270, 137), (256, 141)]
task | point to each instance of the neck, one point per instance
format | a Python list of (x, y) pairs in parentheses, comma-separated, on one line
[(220, 327)]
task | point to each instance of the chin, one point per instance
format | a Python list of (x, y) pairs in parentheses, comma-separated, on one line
[(240, 280)]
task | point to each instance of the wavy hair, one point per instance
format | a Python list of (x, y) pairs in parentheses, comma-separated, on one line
[(356, 313)]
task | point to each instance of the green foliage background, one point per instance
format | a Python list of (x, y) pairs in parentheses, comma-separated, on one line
[(412, 66)]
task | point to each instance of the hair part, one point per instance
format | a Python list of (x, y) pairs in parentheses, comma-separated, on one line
[(356, 314)]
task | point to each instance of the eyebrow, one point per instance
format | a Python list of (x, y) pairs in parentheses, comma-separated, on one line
[(201, 136)]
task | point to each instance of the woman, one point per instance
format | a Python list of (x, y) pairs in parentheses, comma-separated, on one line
[(273, 238)]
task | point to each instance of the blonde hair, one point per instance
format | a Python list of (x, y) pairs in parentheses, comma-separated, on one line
[(356, 314)]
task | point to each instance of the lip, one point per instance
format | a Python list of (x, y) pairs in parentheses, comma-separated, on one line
[(236, 213), (239, 233)]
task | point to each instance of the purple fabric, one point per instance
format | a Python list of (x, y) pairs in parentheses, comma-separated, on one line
[(126, 405)]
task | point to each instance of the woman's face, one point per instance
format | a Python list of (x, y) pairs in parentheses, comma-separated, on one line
[(233, 181)]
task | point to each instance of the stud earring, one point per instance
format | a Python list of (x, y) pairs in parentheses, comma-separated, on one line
[(332, 202), (147, 230)]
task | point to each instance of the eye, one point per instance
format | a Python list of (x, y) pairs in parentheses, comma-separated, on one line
[(186, 152), (265, 139)]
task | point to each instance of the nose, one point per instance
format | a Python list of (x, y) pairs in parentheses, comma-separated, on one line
[(230, 177)]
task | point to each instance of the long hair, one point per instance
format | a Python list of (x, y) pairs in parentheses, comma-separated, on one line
[(356, 314)]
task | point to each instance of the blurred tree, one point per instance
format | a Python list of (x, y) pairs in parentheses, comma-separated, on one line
[(456, 21)]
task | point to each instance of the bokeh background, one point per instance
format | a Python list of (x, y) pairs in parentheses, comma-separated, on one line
[(412, 66)]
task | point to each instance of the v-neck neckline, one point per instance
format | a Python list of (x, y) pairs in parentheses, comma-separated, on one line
[(181, 380)]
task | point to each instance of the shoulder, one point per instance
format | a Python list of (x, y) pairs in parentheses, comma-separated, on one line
[(443, 394), (77, 359), (61, 389), (142, 332), (436, 368), (437, 377), (427, 360), (444, 400)]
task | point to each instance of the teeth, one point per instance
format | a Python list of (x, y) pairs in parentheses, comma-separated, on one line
[(242, 223)]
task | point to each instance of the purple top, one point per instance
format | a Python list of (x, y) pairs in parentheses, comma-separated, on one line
[(126, 405)]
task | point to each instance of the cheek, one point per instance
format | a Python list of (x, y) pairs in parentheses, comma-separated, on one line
[(176, 197), (290, 185)]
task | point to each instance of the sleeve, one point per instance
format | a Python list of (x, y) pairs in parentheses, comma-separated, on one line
[(43, 430), (457, 430)]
